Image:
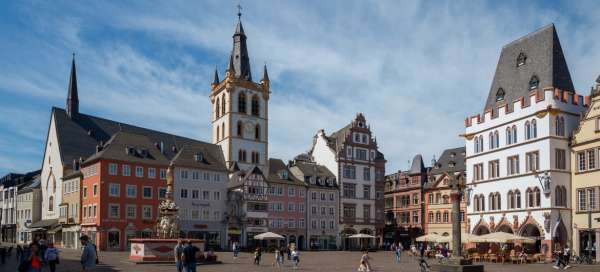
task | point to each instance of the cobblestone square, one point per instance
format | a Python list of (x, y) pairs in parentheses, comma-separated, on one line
[(310, 261)]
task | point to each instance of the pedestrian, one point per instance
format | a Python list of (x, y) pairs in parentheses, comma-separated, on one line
[(559, 257), (277, 262), (289, 252), (257, 255), (281, 252), (364, 265), (567, 256), (89, 255), (43, 246), (189, 257), (51, 256), (31, 261), (398, 250), (236, 250), (19, 252), (295, 257), (178, 252)]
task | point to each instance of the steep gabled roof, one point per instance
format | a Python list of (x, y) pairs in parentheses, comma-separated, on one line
[(417, 165), (209, 158), (543, 58), (124, 146), (276, 167), (452, 160), (79, 136)]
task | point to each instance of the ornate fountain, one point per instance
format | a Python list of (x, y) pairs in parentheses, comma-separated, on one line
[(160, 248)]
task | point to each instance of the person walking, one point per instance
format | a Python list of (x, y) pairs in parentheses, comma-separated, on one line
[(31, 261), (295, 257), (178, 252), (364, 265), (236, 249), (51, 256), (89, 256), (567, 256), (189, 257), (257, 255), (277, 260), (398, 250), (19, 252), (2, 254)]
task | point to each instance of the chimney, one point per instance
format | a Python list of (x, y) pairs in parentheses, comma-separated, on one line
[(75, 165), (98, 148), (174, 149)]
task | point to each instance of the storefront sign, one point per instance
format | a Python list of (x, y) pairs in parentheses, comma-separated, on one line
[(201, 226), (256, 229), (200, 204)]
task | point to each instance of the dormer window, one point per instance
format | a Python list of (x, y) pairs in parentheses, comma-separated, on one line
[(284, 175), (500, 95), (521, 60), (198, 157), (360, 124), (451, 164), (452, 155), (534, 83)]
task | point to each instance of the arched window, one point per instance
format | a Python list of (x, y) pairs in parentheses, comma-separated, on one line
[(476, 142), (438, 198), (514, 134), (492, 202), (497, 138), (218, 107), (559, 125), (534, 83), (240, 156), (518, 199), (558, 196), (533, 128), (482, 202), (538, 198), (223, 131), (51, 203), (223, 105), (218, 133), (498, 201), (510, 200), (481, 143), (476, 202), (446, 217), (240, 129), (255, 105), (527, 131), (242, 103), (431, 217), (564, 196), (438, 217), (508, 136), (257, 132), (491, 140), (530, 198)]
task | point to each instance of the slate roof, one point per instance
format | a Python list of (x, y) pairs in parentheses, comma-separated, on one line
[(237, 179), (79, 136), (450, 156), (417, 165), (276, 167), (124, 146), (210, 155), (239, 54), (15, 179), (544, 59), (34, 184), (336, 139)]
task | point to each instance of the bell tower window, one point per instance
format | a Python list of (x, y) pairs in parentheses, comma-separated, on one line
[(255, 106), (257, 132), (242, 103), (240, 129)]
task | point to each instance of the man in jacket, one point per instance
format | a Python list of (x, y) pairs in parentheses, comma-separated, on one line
[(178, 251), (88, 255)]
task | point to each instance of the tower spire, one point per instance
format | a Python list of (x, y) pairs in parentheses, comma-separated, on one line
[(239, 54), (216, 79), (265, 74), (72, 106)]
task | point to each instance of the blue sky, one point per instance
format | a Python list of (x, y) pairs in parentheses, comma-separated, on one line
[(415, 69)]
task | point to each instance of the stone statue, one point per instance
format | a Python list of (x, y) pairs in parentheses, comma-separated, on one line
[(167, 226)]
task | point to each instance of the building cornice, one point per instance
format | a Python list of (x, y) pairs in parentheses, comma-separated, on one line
[(517, 144)]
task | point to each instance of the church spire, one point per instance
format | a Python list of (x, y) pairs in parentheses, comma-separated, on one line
[(239, 54), (265, 74), (72, 106), (216, 79)]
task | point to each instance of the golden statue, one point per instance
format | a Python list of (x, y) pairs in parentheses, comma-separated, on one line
[(167, 226)]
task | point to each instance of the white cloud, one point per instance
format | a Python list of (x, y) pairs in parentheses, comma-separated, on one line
[(416, 69)]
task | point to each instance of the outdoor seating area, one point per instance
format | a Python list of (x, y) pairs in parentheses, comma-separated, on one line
[(497, 247)]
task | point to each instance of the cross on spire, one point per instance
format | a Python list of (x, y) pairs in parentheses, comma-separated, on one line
[(239, 14)]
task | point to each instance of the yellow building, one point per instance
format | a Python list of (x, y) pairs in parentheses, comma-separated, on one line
[(438, 203), (585, 191)]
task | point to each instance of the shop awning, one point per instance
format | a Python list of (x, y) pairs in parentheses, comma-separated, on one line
[(48, 223), (55, 229)]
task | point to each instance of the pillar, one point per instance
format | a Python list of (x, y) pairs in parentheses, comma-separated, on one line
[(598, 245)]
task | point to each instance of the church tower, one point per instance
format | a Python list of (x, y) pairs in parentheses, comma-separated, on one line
[(240, 109)]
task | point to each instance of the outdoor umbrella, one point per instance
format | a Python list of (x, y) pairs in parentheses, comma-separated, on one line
[(500, 237), (464, 238), (432, 237), (268, 236), (361, 236)]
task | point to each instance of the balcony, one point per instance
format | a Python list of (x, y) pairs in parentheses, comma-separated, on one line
[(357, 220)]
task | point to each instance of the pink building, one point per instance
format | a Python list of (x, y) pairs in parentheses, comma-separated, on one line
[(287, 204)]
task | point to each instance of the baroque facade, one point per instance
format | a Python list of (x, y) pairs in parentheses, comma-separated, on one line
[(531, 110), (352, 154)]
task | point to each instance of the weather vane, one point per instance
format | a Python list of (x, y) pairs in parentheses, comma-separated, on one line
[(239, 7)]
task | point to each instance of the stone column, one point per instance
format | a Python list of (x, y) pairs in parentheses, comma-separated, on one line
[(598, 245), (456, 229)]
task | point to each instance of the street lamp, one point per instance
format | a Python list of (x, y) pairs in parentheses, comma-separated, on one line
[(544, 180)]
